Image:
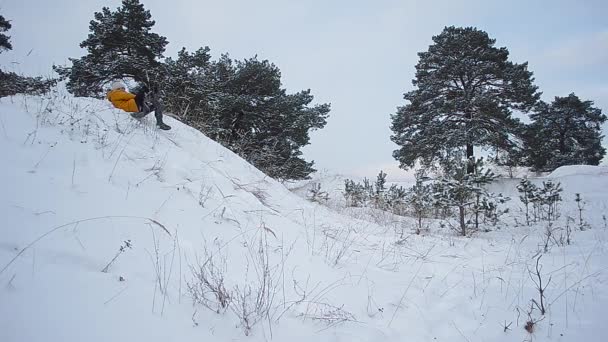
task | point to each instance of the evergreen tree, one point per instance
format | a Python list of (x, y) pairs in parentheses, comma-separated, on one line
[(254, 116), (243, 106), (463, 190), (528, 193), (379, 193), (190, 76), (465, 91), (119, 45), (5, 43), (565, 132), (420, 198)]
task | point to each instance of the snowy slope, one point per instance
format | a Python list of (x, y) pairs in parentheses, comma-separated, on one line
[(82, 178)]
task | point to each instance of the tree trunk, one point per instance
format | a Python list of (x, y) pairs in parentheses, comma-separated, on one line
[(463, 226), (470, 159), (470, 156)]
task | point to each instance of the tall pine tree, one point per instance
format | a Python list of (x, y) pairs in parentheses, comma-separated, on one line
[(565, 132), (120, 45), (465, 91)]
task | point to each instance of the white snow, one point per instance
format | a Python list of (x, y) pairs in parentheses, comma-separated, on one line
[(80, 178)]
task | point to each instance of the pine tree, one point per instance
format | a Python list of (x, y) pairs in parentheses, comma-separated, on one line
[(254, 116), (465, 91), (565, 132), (242, 105), (380, 185), (120, 45), (190, 76), (5, 43), (464, 190), (420, 198), (528, 193)]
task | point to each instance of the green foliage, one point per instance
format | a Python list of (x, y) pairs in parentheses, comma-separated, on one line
[(565, 132), (243, 106), (120, 45), (544, 200), (527, 195), (466, 191), (375, 195), (465, 91), (549, 197), (315, 194), (420, 198), (12, 84)]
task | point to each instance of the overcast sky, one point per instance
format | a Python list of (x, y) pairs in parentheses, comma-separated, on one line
[(357, 55)]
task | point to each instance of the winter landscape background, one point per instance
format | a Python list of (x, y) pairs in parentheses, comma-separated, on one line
[(494, 228)]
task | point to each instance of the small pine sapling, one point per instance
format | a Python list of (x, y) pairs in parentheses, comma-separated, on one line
[(550, 197), (315, 194), (395, 198), (527, 195), (380, 188), (420, 198), (463, 190)]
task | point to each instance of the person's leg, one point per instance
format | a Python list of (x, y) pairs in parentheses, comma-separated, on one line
[(139, 100), (158, 112)]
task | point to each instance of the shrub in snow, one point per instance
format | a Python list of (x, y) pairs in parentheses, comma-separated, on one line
[(549, 198), (420, 198), (315, 194), (207, 288), (375, 195), (466, 192), (527, 195)]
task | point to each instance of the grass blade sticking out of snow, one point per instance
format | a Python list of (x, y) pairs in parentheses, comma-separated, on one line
[(73, 223)]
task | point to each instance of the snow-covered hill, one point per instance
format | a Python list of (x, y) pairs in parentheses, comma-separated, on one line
[(88, 188)]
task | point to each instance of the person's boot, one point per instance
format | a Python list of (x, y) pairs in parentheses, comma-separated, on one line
[(163, 126), (138, 115)]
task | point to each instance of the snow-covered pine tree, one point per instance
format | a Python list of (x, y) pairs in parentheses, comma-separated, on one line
[(528, 193), (465, 91), (463, 190), (190, 76), (395, 199), (254, 116), (120, 45), (5, 43), (353, 193), (380, 188), (550, 196), (420, 198), (565, 132)]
